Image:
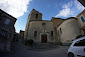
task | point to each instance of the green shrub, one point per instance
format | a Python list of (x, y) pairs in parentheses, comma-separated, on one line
[(29, 42), (25, 42)]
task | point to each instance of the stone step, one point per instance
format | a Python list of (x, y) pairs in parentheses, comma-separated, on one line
[(45, 45)]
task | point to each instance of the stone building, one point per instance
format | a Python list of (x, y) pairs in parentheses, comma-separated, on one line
[(16, 37), (54, 31), (39, 30), (7, 30), (56, 23), (21, 36), (68, 30), (81, 20)]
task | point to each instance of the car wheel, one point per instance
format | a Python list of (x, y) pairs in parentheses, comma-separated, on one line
[(70, 55)]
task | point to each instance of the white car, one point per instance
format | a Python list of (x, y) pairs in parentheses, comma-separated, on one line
[(77, 48)]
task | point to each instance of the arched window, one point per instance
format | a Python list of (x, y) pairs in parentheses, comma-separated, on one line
[(52, 33), (35, 33), (37, 16), (60, 30), (82, 19)]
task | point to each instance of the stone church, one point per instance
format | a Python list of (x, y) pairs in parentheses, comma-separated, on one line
[(38, 29), (53, 31)]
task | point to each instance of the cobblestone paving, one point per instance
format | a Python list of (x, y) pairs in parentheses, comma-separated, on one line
[(19, 50)]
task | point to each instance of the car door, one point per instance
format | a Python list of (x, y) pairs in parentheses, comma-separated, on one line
[(79, 47)]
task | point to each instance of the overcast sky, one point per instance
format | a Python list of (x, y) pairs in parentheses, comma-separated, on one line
[(20, 9)]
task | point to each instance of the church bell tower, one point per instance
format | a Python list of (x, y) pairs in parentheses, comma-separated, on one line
[(35, 16)]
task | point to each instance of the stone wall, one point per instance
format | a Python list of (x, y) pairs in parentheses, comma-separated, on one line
[(82, 24), (32, 17), (6, 30), (82, 21), (41, 29), (68, 30), (57, 22)]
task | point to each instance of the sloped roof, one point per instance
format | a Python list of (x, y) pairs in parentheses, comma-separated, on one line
[(7, 14)]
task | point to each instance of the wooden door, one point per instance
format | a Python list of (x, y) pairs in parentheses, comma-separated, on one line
[(44, 38)]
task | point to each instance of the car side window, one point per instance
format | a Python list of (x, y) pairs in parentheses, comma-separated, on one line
[(80, 43)]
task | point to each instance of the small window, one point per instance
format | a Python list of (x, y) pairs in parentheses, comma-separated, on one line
[(35, 33), (7, 21), (80, 43), (52, 33), (60, 30), (37, 16), (82, 19), (3, 33)]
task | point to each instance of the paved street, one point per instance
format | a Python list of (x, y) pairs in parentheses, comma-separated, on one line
[(20, 50)]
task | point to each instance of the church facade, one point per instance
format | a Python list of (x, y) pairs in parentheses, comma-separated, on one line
[(38, 29), (54, 31)]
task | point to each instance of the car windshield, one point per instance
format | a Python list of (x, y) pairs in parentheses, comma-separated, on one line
[(80, 43)]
